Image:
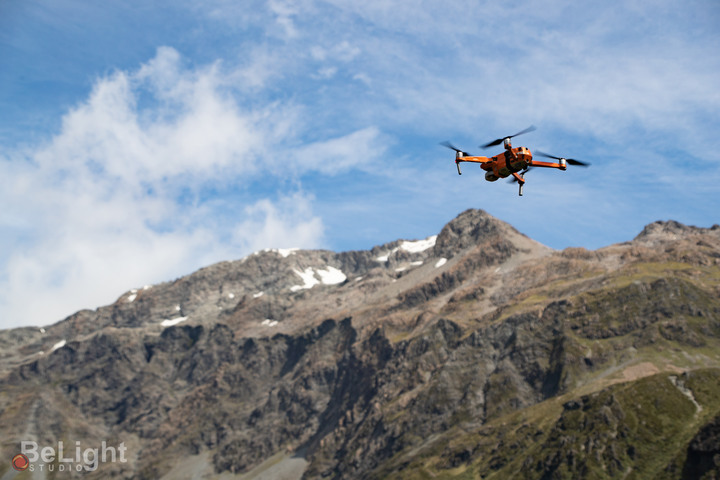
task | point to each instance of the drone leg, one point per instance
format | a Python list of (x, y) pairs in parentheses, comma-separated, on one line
[(457, 164), (521, 181)]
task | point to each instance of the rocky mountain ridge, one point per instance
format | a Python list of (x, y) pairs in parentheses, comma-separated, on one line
[(441, 357)]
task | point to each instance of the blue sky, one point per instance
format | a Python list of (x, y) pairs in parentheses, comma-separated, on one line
[(140, 141)]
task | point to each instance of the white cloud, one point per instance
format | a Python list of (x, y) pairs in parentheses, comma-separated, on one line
[(343, 51), (327, 72), (258, 67), (191, 126), (360, 149), (114, 199), (288, 223), (605, 69), (284, 11)]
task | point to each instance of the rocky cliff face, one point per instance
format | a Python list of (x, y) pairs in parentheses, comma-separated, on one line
[(472, 353)]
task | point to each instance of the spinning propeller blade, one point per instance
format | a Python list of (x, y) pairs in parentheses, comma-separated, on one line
[(570, 161), (500, 140), (453, 147)]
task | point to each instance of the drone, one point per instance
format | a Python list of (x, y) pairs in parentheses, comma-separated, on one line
[(515, 162)]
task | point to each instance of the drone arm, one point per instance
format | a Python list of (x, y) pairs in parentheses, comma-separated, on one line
[(536, 163), (473, 159), (468, 158)]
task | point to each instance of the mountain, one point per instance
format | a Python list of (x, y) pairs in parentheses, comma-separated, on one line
[(476, 353)]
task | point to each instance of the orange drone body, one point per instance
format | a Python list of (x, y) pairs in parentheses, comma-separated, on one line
[(508, 163), (513, 162)]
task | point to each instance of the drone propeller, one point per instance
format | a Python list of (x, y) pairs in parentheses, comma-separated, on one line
[(453, 147), (570, 161), (501, 140)]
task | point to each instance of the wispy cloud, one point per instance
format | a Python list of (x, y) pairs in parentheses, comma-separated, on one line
[(269, 224)]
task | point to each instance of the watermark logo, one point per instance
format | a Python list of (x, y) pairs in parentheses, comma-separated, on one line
[(20, 462), (62, 459)]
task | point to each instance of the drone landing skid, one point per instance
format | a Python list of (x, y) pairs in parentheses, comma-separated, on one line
[(521, 182)]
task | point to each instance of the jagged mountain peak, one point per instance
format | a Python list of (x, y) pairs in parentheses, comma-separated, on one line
[(671, 230), (283, 290), (473, 227)]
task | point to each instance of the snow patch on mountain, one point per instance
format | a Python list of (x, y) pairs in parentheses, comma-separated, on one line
[(384, 258), (410, 246), (419, 245), (331, 276), (308, 278), (328, 276), (174, 321), (59, 344)]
